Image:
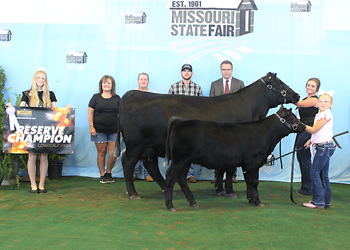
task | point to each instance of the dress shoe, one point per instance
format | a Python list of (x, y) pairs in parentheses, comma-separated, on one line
[(191, 179), (149, 179), (42, 191)]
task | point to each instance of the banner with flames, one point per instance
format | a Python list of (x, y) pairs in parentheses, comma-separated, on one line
[(38, 130)]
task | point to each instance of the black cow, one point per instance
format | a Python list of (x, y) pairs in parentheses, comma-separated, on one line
[(144, 119), (224, 146)]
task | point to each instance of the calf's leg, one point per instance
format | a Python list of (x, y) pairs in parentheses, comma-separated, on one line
[(219, 182), (228, 184), (252, 181), (171, 176)]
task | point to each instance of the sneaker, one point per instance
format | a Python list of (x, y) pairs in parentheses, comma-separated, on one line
[(303, 193), (191, 179), (149, 179), (109, 178), (310, 205), (104, 179)]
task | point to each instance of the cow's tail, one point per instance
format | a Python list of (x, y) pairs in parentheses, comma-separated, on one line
[(171, 123), (116, 152)]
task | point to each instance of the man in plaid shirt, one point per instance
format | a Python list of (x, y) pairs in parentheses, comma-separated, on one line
[(186, 87)]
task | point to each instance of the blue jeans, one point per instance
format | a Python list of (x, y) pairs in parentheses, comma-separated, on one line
[(321, 193), (138, 167), (190, 171), (304, 159), (104, 138)]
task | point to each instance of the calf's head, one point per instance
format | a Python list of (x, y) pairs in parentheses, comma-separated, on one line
[(287, 117), (273, 83)]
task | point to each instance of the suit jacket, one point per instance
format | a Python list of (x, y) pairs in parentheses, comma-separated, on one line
[(217, 87)]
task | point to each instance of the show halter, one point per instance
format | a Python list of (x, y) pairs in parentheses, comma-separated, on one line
[(283, 92), (282, 120)]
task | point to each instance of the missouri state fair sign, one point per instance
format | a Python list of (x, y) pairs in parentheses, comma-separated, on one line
[(38, 130)]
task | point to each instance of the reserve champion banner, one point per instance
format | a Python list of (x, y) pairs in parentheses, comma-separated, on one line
[(38, 130)]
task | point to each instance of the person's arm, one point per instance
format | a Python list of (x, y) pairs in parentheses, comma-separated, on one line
[(91, 121), (53, 105), (317, 126), (22, 104), (309, 102)]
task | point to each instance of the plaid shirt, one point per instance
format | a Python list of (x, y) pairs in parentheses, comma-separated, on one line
[(179, 88)]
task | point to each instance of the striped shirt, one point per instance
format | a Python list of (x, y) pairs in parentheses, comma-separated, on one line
[(179, 88)]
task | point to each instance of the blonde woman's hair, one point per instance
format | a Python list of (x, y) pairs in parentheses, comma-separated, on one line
[(34, 98)]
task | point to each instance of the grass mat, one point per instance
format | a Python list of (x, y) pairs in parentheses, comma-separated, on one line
[(81, 213)]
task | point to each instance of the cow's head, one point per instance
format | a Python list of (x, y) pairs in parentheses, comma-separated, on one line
[(287, 117), (273, 83)]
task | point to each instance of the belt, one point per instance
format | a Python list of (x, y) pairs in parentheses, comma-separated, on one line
[(323, 143)]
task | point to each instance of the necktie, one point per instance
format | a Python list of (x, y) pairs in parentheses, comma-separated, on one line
[(227, 90)]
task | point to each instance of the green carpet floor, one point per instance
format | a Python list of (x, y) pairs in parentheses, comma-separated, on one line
[(81, 213)]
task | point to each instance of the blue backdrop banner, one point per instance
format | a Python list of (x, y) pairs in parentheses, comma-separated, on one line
[(80, 41)]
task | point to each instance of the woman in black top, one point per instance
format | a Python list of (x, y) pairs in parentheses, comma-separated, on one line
[(38, 96), (308, 108), (103, 115)]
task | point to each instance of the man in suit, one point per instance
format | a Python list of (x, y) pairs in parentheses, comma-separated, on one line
[(225, 85), (218, 87)]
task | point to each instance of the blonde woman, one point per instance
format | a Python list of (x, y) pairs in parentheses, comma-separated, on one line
[(38, 96)]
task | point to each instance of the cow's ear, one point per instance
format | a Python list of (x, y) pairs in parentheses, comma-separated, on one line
[(290, 110)]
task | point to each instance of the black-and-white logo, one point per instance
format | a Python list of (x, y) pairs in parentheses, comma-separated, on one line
[(300, 6), (75, 59), (135, 20), (5, 38), (211, 27), (212, 18), (5, 35), (135, 17)]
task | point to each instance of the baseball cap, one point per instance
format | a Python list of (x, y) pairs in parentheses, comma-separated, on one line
[(186, 66)]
